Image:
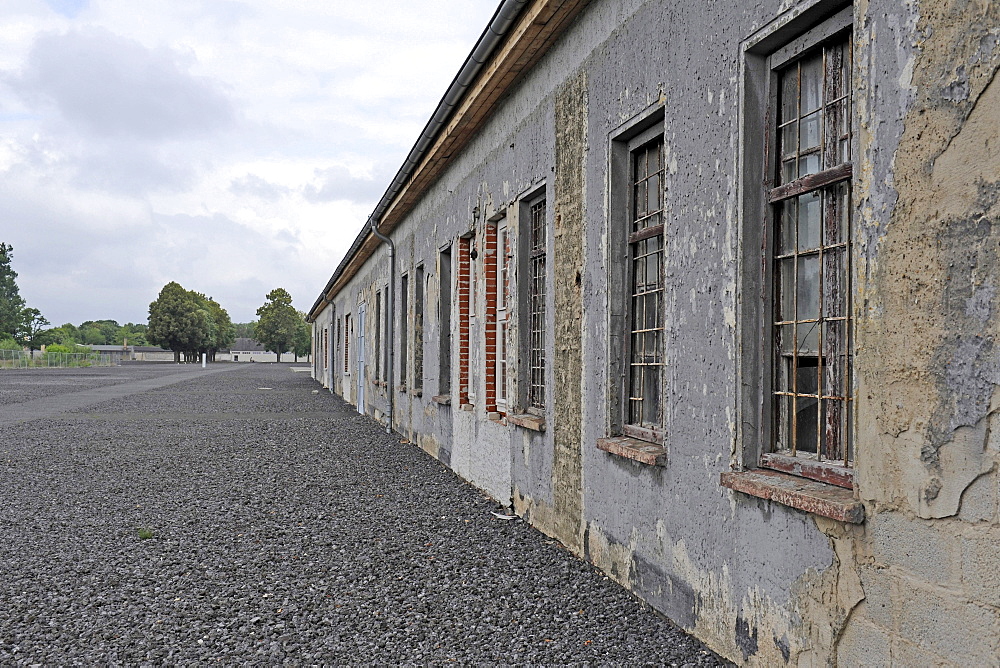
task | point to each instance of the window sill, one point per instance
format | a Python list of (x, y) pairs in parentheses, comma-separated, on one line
[(533, 422), (417, 392), (807, 495), (497, 417), (443, 399), (401, 388), (468, 407), (643, 452)]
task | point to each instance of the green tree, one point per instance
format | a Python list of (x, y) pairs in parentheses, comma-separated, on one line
[(11, 303), (179, 322), (302, 344), (30, 330), (277, 323)]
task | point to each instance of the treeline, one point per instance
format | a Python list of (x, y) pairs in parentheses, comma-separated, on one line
[(20, 324), (189, 323)]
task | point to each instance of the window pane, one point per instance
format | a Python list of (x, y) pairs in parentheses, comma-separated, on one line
[(789, 95), (789, 140), (786, 281), (812, 84), (810, 209), (808, 335), (651, 396), (809, 131), (786, 226), (809, 164), (786, 344), (807, 287)]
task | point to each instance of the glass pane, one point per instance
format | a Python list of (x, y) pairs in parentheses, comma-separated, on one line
[(809, 164), (653, 310), (789, 139), (654, 158), (786, 344), (809, 131), (789, 94), (806, 409), (786, 281), (638, 271), (640, 203), (653, 193), (651, 396), (807, 287), (812, 84), (808, 333), (788, 170), (810, 210), (786, 226)]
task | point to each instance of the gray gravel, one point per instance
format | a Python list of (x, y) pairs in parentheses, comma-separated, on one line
[(286, 530)]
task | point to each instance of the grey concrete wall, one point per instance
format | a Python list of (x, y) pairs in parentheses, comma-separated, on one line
[(762, 583)]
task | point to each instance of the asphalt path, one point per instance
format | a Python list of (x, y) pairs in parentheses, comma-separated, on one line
[(160, 514)]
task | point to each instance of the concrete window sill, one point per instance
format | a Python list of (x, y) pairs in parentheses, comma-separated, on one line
[(401, 388), (497, 417), (643, 452), (533, 422), (417, 392), (443, 399), (808, 495)]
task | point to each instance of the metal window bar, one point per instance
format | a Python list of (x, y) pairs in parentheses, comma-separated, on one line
[(645, 373), (536, 306), (812, 258)]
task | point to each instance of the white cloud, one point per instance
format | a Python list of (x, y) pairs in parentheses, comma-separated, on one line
[(230, 146)]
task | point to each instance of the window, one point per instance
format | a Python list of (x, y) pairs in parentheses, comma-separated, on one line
[(809, 264), (495, 273), (347, 344), (636, 285), (536, 246), (404, 334), (444, 318), (643, 410), (418, 328)]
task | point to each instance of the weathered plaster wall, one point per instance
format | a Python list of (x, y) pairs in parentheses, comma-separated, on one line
[(761, 583), (928, 369)]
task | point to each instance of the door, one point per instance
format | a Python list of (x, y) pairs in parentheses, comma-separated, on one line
[(361, 358)]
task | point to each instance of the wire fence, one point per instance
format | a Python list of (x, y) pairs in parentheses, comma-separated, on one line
[(19, 359)]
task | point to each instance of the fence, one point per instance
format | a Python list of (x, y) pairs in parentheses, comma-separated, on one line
[(18, 359)]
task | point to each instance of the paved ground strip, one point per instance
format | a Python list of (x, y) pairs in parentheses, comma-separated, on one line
[(285, 529)]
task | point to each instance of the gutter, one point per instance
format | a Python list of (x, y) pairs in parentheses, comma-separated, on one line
[(498, 28)]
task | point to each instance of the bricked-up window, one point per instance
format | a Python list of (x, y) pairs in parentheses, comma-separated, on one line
[(810, 239), (326, 347), (495, 273), (404, 333), (464, 289), (536, 306), (643, 410)]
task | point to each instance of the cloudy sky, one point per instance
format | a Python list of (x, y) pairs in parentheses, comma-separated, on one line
[(232, 146)]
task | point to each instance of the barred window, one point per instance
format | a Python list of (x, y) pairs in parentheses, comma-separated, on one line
[(404, 321), (811, 260), (536, 305), (645, 369)]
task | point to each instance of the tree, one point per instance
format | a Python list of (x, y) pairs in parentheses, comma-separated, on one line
[(11, 303), (29, 332), (302, 344), (178, 321), (244, 330), (277, 323)]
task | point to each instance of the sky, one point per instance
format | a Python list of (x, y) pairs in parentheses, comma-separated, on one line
[(233, 146)]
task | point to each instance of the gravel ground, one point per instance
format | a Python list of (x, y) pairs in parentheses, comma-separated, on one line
[(286, 530)]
